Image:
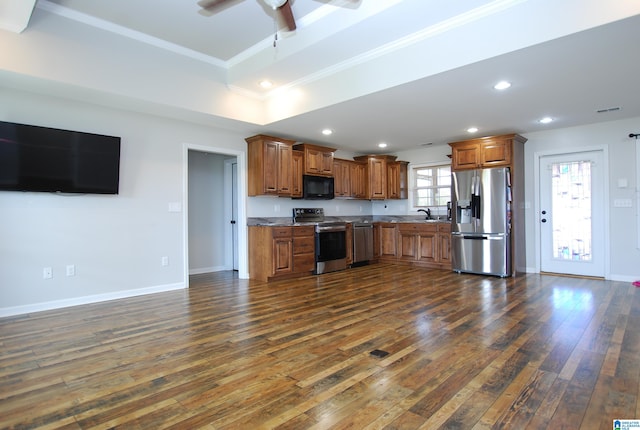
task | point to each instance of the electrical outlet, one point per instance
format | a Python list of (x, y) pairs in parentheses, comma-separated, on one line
[(71, 270), (47, 273), (165, 261)]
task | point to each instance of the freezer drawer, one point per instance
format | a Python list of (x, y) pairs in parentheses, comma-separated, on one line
[(482, 254)]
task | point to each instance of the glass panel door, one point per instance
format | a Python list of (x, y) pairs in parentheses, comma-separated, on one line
[(571, 215)]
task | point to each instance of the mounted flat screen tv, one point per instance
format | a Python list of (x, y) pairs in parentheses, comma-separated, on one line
[(34, 158)]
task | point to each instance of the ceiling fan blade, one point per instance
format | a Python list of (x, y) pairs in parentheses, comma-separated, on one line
[(215, 5), (287, 15)]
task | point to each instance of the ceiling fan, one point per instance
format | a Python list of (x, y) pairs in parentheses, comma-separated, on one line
[(283, 7)]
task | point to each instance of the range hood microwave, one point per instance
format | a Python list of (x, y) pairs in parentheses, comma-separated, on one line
[(317, 187)]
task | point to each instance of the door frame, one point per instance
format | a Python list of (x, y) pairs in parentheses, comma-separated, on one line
[(230, 193), (243, 261), (605, 197)]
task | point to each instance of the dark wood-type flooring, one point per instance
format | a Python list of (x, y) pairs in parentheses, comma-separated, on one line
[(464, 351)]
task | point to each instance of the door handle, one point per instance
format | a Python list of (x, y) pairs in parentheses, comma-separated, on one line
[(233, 221)]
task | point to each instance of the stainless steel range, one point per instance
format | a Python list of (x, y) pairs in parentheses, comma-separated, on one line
[(331, 243)]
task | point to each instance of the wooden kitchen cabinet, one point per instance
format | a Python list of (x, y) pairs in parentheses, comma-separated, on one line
[(485, 152), (397, 180), (281, 252), (349, 243), (304, 249), (420, 244), (386, 240), (444, 244), (296, 173), (270, 164), (318, 160), (342, 177), (375, 175), (358, 178)]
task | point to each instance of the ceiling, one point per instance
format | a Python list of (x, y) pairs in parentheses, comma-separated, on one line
[(406, 72)]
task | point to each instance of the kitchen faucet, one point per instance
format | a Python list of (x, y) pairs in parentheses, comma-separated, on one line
[(427, 211)]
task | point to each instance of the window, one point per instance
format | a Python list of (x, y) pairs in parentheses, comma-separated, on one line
[(431, 186)]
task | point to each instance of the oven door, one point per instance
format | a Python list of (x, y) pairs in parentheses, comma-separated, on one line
[(330, 244)]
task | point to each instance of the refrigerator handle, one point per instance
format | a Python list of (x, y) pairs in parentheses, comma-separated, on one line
[(475, 198)]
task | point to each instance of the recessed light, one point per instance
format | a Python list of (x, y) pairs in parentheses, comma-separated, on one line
[(502, 85), (545, 120), (472, 130), (382, 145), (266, 84), (327, 132)]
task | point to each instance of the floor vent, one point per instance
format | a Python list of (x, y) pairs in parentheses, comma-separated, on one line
[(379, 353)]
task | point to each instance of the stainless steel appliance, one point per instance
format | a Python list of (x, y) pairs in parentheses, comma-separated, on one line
[(330, 238), (481, 222), (362, 243)]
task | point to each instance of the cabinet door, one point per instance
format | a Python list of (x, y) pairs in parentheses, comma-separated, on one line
[(270, 169), (444, 245), (284, 172), (388, 240), (465, 156), (495, 153), (327, 163), (358, 174), (349, 240), (393, 181), (341, 175), (282, 255), (377, 179), (297, 164), (427, 247), (313, 162), (407, 245)]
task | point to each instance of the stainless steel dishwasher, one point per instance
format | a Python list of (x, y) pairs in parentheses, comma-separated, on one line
[(362, 243)]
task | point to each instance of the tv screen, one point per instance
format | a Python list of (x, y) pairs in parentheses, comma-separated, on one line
[(34, 158)]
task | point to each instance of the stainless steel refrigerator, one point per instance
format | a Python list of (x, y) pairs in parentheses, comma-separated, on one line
[(481, 221)]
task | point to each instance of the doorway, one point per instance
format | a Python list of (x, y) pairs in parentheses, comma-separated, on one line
[(232, 176), (572, 213)]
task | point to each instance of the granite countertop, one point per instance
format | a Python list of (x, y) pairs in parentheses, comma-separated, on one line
[(288, 221)]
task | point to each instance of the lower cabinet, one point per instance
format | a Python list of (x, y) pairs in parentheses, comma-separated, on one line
[(423, 244), (281, 252)]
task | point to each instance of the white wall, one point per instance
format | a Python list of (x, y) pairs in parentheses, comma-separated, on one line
[(115, 242)]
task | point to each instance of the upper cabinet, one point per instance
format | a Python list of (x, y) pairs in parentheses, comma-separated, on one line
[(485, 152), (297, 169), (270, 166), (397, 180), (385, 178), (276, 167), (342, 177), (318, 160)]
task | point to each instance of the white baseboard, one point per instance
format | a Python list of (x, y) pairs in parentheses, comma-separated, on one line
[(624, 278), (57, 304), (202, 270)]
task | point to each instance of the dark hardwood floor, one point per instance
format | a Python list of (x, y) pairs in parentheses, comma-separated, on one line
[(464, 351)]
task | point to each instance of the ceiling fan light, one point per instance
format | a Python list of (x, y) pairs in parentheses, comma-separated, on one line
[(275, 4)]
